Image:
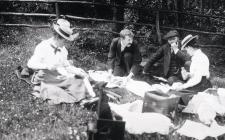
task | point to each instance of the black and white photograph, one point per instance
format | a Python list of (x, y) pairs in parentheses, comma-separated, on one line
[(112, 69)]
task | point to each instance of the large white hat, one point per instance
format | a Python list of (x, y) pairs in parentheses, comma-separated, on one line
[(62, 27), (187, 39)]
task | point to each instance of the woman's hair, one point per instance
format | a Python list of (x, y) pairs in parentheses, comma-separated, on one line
[(126, 32), (187, 65), (193, 43), (57, 36)]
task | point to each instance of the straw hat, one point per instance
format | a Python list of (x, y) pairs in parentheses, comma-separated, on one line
[(62, 27), (187, 39)]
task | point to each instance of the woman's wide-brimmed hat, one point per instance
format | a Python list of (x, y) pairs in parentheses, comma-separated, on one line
[(62, 27), (187, 40)]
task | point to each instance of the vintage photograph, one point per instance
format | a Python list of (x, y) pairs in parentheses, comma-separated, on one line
[(112, 70)]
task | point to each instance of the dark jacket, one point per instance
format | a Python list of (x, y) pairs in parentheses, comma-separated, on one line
[(165, 53), (115, 54)]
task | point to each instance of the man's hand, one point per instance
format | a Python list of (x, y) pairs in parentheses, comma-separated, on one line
[(127, 79), (185, 75), (110, 71), (174, 47), (76, 71), (130, 75), (81, 72)]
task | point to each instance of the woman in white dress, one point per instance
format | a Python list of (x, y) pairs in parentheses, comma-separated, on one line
[(197, 78)]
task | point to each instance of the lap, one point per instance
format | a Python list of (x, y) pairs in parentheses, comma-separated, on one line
[(53, 83)]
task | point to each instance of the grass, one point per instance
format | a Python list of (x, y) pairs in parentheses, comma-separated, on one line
[(23, 117)]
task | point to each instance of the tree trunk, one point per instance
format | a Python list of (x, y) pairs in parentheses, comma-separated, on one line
[(201, 12), (118, 14), (210, 4), (179, 16), (158, 29), (57, 10)]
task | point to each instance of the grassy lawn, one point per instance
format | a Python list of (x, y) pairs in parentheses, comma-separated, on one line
[(23, 117)]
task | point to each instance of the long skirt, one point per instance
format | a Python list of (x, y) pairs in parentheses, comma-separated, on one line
[(58, 88), (203, 85)]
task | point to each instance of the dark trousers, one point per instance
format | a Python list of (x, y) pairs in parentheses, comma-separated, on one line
[(125, 65)]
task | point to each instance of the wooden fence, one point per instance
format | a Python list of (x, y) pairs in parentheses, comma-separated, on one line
[(156, 11)]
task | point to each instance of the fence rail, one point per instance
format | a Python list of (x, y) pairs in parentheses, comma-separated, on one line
[(157, 11), (99, 20), (119, 6)]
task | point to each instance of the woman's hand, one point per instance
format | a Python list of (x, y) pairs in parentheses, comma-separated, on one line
[(76, 71), (81, 72), (185, 75)]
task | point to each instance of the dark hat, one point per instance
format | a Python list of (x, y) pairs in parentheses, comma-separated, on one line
[(187, 40), (170, 34)]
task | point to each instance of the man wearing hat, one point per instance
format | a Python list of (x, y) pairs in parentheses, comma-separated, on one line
[(173, 58), (53, 68), (124, 56)]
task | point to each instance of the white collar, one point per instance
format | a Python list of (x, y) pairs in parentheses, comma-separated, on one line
[(122, 45), (52, 42)]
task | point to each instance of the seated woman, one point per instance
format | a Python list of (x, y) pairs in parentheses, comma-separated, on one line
[(59, 79), (197, 79)]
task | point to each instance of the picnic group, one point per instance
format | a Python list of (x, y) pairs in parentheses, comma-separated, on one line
[(185, 81)]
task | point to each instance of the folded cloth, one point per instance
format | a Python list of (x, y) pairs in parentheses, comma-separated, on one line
[(146, 122), (206, 106), (200, 131), (138, 87), (104, 76), (115, 81), (99, 76)]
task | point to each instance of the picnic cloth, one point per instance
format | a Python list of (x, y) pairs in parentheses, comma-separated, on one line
[(200, 131), (139, 123), (207, 106), (137, 87)]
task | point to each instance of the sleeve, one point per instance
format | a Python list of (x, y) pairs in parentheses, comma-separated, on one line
[(193, 80), (195, 74), (136, 60), (112, 54), (183, 56), (156, 56), (35, 62), (67, 62)]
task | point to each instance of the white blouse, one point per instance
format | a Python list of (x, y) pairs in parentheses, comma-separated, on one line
[(199, 64), (45, 56)]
